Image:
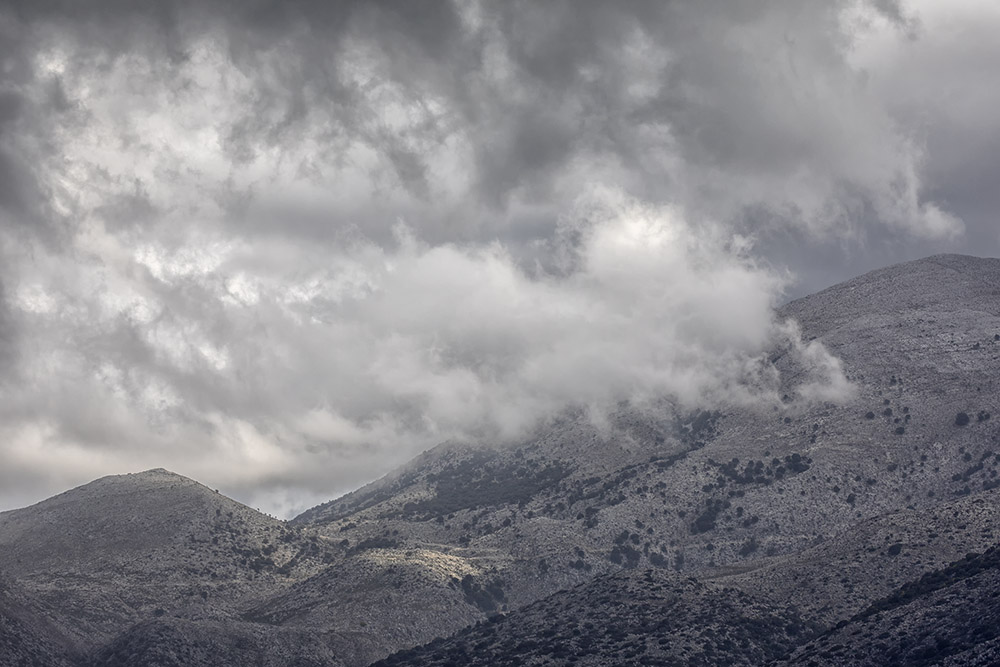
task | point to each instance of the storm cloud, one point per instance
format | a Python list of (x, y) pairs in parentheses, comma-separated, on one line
[(287, 246)]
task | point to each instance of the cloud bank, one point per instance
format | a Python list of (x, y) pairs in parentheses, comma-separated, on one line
[(286, 246)]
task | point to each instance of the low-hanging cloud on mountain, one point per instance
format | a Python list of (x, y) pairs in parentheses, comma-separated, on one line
[(287, 361), (286, 246)]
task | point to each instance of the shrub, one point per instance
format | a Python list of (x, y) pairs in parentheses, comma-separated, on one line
[(487, 598), (961, 419), (749, 547), (706, 520)]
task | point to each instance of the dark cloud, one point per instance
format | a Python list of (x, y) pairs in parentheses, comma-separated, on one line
[(287, 245), (8, 340), (17, 189)]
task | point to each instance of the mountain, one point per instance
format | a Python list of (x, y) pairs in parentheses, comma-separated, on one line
[(760, 533), (129, 547), (950, 616), (27, 637), (695, 492), (176, 642), (761, 614), (659, 618)]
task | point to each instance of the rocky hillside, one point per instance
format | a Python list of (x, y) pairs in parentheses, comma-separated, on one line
[(816, 603), (130, 547), (805, 513), (175, 642), (634, 617), (27, 637), (699, 492), (950, 616)]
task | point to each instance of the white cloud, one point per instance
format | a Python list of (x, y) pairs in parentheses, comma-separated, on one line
[(399, 348), (209, 271)]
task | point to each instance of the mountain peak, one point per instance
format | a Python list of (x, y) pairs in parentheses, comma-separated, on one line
[(145, 481), (157, 474), (157, 471), (945, 283)]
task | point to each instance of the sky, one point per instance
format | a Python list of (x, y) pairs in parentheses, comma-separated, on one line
[(283, 247)]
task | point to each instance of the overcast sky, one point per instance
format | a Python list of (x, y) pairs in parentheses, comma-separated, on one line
[(282, 247)]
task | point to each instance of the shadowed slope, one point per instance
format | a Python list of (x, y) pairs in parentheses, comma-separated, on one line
[(28, 638)]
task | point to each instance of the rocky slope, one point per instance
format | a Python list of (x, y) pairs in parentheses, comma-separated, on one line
[(174, 642), (634, 617), (805, 510), (950, 616), (830, 604), (739, 488), (130, 547), (27, 636)]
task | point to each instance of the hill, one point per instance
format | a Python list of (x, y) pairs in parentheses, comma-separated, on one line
[(800, 514), (128, 547), (657, 618), (832, 601), (736, 487), (27, 637)]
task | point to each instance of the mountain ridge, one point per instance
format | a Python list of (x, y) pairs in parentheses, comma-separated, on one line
[(768, 511)]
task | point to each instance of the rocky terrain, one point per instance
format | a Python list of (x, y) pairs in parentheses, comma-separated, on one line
[(950, 616), (131, 547), (831, 604), (650, 617), (721, 535), (27, 637)]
